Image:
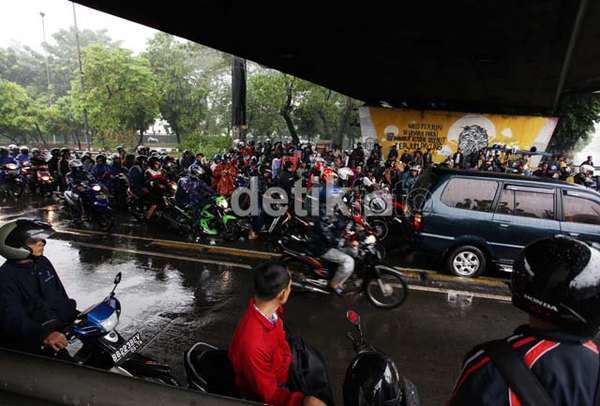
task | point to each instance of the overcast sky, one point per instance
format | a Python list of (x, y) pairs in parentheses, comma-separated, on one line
[(21, 23)]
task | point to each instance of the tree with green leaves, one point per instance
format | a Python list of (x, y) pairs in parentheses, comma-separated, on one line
[(577, 115), (22, 119), (189, 83), (120, 91)]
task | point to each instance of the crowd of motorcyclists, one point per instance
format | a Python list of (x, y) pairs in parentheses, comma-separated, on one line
[(147, 182)]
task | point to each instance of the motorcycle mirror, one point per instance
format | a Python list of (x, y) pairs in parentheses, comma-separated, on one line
[(353, 317), (117, 281)]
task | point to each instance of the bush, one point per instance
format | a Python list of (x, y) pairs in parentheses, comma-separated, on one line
[(207, 144)]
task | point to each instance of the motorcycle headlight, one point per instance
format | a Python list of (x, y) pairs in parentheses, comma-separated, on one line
[(11, 167), (110, 323), (45, 178), (96, 188), (174, 186), (370, 240)]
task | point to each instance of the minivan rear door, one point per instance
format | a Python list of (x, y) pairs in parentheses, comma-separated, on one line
[(523, 214), (581, 215)]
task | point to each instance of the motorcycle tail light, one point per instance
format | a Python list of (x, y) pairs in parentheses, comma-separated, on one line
[(417, 222)]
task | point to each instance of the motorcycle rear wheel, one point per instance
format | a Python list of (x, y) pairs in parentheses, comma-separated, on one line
[(387, 291), (231, 231)]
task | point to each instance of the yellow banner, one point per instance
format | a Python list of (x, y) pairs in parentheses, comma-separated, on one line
[(444, 132)]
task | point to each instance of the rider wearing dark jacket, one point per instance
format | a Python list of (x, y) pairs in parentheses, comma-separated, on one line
[(557, 281), (33, 301), (136, 176), (192, 190)]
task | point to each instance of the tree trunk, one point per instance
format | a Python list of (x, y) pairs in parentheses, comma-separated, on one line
[(178, 135), (286, 112), (141, 139), (40, 136), (290, 126), (326, 127)]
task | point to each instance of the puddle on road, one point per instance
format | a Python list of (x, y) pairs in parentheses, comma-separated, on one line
[(153, 292)]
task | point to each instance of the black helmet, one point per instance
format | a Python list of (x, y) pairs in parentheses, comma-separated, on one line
[(141, 150), (75, 164), (141, 159), (360, 387), (24, 149), (196, 170), (558, 280), (101, 158), (15, 234), (55, 152), (152, 160)]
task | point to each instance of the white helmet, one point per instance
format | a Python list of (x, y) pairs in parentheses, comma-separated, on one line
[(15, 234), (345, 173)]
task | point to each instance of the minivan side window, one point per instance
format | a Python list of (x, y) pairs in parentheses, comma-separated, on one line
[(581, 210), (526, 202), (470, 194)]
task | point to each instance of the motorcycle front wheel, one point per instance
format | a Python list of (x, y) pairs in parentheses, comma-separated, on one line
[(105, 222), (388, 290)]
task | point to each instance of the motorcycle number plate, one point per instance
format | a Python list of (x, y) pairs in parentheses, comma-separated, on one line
[(131, 346)]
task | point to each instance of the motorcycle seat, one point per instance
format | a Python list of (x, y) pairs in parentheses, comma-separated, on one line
[(209, 369)]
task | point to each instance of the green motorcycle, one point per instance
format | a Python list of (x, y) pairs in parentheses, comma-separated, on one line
[(217, 219)]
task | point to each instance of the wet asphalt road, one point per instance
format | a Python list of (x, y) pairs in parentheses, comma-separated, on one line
[(177, 297)]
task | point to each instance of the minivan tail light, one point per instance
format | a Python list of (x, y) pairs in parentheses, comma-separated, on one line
[(417, 222)]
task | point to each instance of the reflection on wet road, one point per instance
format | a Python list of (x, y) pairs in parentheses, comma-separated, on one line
[(177, 298)]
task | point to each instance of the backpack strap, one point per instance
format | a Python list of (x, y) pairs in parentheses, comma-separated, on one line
[(517, 375)]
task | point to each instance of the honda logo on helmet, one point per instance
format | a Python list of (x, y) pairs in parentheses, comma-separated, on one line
[(541, 303)]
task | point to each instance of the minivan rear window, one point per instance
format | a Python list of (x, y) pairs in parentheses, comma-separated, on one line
[(581, 210), (470, 194)]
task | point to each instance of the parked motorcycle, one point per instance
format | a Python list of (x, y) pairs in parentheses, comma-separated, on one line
[(13, 185), (103, 347), (97, 207), (384, 286), (372, 378), (217, 219)]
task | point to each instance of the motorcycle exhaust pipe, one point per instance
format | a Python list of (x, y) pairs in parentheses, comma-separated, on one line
[(309, 288)]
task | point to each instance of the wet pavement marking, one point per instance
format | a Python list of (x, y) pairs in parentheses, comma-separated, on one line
[(421, 275), (500, 298), (160, 254), (179, 244)]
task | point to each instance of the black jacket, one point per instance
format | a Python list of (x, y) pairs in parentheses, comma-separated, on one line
[(565, 364), (31, 294)]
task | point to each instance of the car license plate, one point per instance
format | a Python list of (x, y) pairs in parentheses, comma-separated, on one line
[(130, 347)]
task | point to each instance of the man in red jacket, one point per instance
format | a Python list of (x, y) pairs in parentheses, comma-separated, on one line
[(259, 352)]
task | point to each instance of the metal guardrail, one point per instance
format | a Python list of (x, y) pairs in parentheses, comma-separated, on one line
[(44, 381)]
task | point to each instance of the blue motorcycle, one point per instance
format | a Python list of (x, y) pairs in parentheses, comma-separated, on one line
[(104, 348), (92, 198)]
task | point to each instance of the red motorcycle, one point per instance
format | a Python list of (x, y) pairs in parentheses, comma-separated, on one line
[(44, 180)]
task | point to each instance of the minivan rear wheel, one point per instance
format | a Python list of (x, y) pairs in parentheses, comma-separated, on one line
[(466, 261)]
